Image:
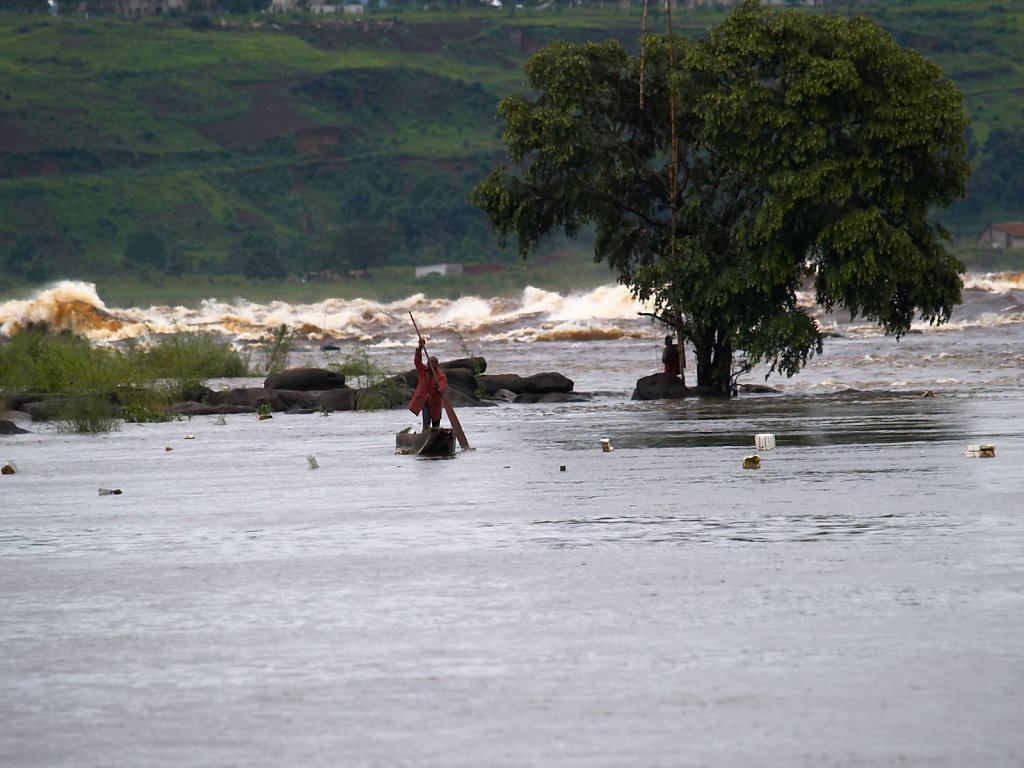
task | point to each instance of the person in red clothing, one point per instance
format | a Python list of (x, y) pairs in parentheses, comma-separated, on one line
[(670, 357), (431, 384)]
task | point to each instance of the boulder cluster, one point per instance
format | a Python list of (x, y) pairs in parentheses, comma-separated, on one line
[(310, 390), (313, 390)]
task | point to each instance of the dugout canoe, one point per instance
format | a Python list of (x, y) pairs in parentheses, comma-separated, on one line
[(431, 442)]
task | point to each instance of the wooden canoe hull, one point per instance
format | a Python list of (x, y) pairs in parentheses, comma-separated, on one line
[(431, 442)]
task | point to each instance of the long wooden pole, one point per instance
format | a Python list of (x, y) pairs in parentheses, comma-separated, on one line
[(456, 426)]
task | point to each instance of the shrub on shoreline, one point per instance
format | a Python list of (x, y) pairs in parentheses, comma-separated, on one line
[(140, 378)]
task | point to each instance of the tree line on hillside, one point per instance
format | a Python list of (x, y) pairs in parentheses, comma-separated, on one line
[(197, 8), (273, 212), (997, 181), (368, 214), (367, 219)]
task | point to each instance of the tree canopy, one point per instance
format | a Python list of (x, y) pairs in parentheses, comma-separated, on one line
[(782, 151)]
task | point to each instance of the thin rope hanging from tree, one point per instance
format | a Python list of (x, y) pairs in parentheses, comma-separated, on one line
[(674, 199), (674, 204), (643, 52)]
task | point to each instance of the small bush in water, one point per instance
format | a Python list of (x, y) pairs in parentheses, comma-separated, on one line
[(378, 387), (87, 414), (142, 414), (279, 349)]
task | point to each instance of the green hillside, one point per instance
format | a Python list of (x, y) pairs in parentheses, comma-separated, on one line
[(270, 146)]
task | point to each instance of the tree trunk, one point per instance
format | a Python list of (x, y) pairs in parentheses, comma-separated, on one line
[(714, 362), (721, 365)]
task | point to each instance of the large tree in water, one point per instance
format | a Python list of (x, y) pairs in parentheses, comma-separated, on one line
[(784, 150)]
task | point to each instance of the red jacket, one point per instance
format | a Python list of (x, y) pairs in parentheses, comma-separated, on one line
[(427, 387), (670, 357)]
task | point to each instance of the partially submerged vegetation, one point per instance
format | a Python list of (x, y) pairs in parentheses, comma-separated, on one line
[(89, 388), (278, 349), (93, 388), (377, 387)]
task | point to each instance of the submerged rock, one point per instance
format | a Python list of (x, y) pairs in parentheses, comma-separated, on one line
[(305, 379), (660, 386), (551, 397), (192, 408), (10, 428)]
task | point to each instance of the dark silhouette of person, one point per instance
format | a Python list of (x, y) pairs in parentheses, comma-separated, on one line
[(670, 357)]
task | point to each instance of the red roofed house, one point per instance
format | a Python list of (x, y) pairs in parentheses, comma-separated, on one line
[(1007, 234)]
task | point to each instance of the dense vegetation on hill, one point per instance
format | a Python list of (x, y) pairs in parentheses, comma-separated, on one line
[(270, 146)]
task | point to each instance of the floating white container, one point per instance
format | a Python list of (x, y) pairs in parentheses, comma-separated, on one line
[(765, 442)]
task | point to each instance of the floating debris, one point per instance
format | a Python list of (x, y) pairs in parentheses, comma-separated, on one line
[(764, 442), (190, 437), (110, 491), (752, 462), (312, 462), (8, 468), (606, 445), (981, 451)]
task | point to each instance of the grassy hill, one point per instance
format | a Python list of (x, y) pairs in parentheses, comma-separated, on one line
[(281, 145)]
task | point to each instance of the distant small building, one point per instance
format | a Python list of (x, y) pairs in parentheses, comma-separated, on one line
[(439, 269), (1006, 234)]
